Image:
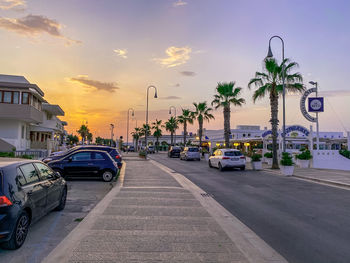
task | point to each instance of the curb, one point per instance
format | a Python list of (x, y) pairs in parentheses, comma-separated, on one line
[(62, 252), (252, 247)]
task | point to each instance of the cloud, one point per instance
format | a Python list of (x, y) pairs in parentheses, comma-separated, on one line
[(179, 3), (98, 85), (170, 98), (335, 93), (33, 25), (176, 56), (175, 85), (13, 4), (121, 52), (188, 73)]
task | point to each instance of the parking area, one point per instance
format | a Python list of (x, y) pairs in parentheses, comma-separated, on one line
[(44, 235)]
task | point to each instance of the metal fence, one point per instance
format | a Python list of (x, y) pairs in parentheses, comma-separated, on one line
[(36, 154)]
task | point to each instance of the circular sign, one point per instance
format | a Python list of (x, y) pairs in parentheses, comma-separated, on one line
[(316, 105), (302, 105)]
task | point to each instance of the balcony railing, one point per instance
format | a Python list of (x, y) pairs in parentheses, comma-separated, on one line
[(21, 112)]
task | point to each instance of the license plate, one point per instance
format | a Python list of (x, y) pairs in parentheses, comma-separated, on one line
[(235, 159)]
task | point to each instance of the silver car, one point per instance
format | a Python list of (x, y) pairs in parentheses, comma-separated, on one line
[(190, 153), (227, 158)]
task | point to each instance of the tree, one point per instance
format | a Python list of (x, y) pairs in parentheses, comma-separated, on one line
[(171, 126), (136, 136), (72, 139), (226, 95), (89, 137), (83, 132), (269, 83), (157, 131), (186, 117), (99, 140), (202, 112)]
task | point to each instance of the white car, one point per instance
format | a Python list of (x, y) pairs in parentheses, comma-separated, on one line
[(227, 158), (190, 153)]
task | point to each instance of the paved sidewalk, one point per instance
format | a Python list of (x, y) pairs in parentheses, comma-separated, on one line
[(326, 176), (151, 217)]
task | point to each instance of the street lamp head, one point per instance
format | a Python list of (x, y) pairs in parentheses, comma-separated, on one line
[(312, 82), (269, 53), (155, 94), (169, 111), (132, 114)]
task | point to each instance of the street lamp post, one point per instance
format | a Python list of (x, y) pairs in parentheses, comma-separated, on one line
[(317, 125), (270, 55), (127, 128), (173, 107), (112, 127), (155, 96)]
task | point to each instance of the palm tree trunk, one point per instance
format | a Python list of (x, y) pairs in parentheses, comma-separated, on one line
[(200, 131), (274, 123), (157, 143), (185, 132), (227, 129), (171, 137)]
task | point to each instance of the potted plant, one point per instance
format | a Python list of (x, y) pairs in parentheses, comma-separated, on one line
[(304, 159), (206, 154), (256, 161), (268, 157), (142, 154), (287, 165)]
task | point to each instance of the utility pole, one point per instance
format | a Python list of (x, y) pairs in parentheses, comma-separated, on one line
[(112, 127)]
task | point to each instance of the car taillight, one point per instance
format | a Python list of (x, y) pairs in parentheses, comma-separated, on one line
[(226, 158), (117, 156), (242, 157), (4, 201)]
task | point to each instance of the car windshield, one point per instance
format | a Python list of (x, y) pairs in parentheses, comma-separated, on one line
[(233, 153), (193, 149)]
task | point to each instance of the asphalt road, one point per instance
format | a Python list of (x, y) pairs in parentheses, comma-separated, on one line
[(48, 232), (303, 221)]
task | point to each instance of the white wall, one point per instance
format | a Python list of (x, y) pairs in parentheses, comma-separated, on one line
[(11, 132), (330, 159)]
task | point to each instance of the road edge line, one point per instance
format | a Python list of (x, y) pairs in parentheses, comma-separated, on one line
[(250, 244), (63, 251)]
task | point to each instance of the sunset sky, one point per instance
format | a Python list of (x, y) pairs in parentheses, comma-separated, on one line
[(95, 58)]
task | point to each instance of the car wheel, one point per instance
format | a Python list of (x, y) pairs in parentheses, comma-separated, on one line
[(199, 159), (210, 164), (19, 234), (242, 168), (63, 199), (220, 167), (107, 176)]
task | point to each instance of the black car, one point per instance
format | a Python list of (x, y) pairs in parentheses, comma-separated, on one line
[(86, 163), (28, 191), (111, 150), (174, 151)]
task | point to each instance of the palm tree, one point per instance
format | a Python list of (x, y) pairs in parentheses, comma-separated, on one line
[(171, 126), (157, 131), (145, 128), (226, 95), (202, 112), (83, 132), (136, 136), (186, 117), (269, 83)]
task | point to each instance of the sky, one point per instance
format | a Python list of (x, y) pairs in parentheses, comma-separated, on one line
[(96, 58)]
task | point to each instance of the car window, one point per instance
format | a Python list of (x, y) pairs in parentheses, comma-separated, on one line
[(30, 173), (99, 156), (20, 178), (83, 156), (45, 172), (193, 149)]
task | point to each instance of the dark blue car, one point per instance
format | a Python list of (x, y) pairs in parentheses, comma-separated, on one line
[(86, 163), (28, 191), (111, 150)]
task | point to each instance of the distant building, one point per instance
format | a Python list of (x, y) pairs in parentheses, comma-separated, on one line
[(27, 120)]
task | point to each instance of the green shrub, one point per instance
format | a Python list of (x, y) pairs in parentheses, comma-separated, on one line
[(268, 155), (26, 156), (305, 155), (256, 157), (345, 153), (286, 159), (142, 153), (7, 154)]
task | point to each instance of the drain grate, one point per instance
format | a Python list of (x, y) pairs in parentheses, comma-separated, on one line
[(206, 195)]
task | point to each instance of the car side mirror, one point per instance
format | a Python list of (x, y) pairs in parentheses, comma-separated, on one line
[(70, 159)]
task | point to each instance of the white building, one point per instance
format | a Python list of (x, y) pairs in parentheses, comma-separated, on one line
[(27, 121)]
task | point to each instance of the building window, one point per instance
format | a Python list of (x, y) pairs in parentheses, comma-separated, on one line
[(0, 96), (25, 98), (23, 131), (7, 97), (15, 97)]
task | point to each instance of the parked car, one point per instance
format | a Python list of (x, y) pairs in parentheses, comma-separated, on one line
[(151, 149), (227, 158), (174, 151), (28, 190), (131, 149), (86, 163), (190, 153), (111, 150)]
